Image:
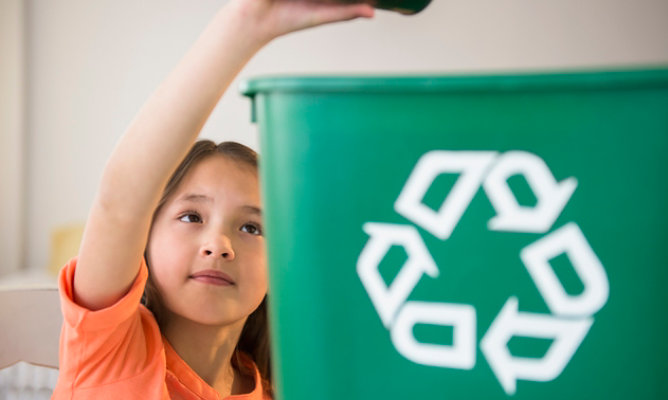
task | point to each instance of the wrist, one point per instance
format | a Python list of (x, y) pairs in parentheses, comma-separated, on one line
[(248, 19)]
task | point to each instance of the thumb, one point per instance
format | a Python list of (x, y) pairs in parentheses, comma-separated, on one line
[(328, 13)]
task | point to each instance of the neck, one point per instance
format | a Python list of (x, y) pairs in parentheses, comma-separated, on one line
[(208, 350)]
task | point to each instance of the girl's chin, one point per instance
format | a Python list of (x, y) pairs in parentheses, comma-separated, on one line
[(216, 320)]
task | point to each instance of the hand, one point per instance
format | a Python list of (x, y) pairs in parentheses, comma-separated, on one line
[(274, 18)]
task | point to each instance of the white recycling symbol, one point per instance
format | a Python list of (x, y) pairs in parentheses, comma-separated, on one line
[(571, 315)]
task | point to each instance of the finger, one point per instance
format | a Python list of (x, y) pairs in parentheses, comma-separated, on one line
[(327, 14)]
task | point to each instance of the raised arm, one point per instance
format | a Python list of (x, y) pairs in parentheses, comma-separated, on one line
[(165, 128)]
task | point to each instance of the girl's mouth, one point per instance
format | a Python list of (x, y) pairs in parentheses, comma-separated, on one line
[(212, 277)]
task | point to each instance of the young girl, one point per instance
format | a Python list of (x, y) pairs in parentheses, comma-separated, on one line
[(191, 245)]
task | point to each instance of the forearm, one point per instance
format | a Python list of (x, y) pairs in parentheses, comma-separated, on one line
[(169, 122)]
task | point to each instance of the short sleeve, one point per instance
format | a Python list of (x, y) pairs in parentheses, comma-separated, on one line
[(118, 347), (87, 320)]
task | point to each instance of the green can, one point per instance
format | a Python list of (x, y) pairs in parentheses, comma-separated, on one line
[(406, 7), (485, 237)]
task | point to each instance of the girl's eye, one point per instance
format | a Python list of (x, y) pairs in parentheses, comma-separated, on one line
[(191, 218), (253, 229)]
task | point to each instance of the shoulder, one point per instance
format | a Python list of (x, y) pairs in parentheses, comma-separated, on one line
[(118, 346)]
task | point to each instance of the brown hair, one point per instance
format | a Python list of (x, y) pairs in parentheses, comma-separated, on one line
[(254, 339)]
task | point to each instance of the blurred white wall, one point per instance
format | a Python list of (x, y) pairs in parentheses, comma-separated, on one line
[(91, 64), (12, 128)]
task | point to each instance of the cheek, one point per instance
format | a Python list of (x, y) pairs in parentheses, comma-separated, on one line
[(257, 289), (162, 255), (155, 251), (255, 270), (167, 242), (156, 263)]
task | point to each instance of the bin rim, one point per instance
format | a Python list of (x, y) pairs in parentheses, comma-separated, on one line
[(530, 81)]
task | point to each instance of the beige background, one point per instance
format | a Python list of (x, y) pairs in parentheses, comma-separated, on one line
[(74, 72)]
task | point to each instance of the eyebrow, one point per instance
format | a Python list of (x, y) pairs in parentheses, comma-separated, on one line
[(201, 198), (252, 210), (197, 198)]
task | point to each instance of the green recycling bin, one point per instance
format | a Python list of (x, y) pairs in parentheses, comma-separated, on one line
[(467, 237)]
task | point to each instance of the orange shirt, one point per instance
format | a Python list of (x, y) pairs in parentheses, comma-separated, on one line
[(119, 353)]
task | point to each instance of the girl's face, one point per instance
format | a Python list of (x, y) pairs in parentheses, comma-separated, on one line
[(206, 250)]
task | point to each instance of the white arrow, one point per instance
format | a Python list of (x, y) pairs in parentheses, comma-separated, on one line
[(510, 215), (471, 165), (387, 300), (567, 335), (567, 240), (461, 354)]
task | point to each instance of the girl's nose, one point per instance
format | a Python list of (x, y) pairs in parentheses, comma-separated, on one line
[(220, 246)]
